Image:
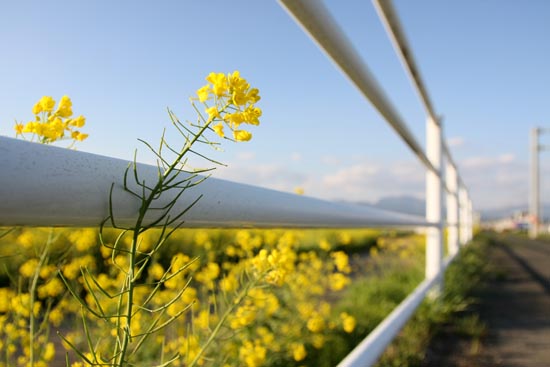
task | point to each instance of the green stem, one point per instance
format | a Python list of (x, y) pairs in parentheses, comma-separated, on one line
[(240, 297), (130, 301), (32, 297), (130, 278)]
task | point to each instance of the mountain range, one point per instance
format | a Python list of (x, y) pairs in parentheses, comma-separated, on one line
[(416, 206)]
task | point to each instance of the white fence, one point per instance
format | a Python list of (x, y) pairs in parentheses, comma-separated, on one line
[(323, 29), (48, 186)]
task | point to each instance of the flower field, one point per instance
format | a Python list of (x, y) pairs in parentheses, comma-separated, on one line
[(211, 297)]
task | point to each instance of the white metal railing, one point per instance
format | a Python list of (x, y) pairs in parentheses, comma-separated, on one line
[(323, 29), (49, 186)]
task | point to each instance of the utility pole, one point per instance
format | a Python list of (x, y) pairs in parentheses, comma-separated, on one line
[(535, 209), (534, 200)]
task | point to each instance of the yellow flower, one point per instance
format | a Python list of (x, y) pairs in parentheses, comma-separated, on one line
[(204, 93), (18, 128), (324, 245), (348, 322), (55, 317), (52, 288), (253, 95), (212, 113), (244, 316), (219, 83), (202, 320), (230, 283), (65, 107), (298, 351), (252, 115), (239, 98), (341, 260), (236, 82), (234, 119), (5, 295), (252, 354), (37, 108), (318, 340), (50, 127), (47, 270), (49, 352), (47, 104), (316, 323), (338, 281), (208, 274), (54, 129), (219, 130), (33, 127), (28, 268), (299, 190), (78, 122), (77, 135), (156, 271), (242, 135)]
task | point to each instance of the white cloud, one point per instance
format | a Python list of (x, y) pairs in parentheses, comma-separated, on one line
[(273, 176), (330, 160), (507, 158), (364, 181), (246, 156), (477, 162), (496, 181), (296, 157), (493, 181)]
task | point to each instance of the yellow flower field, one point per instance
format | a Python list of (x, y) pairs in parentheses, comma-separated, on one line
[(232, 297)]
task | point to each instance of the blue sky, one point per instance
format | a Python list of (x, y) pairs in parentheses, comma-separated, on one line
[(485, 64)]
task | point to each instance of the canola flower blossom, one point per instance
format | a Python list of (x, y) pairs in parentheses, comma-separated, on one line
[(52, 124), (229, 103)]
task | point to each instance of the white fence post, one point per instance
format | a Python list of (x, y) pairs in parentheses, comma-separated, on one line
[(470, 220), (452, 209), (463, 213), (434, 235)]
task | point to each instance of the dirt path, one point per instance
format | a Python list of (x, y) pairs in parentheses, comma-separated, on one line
[(515, 306)]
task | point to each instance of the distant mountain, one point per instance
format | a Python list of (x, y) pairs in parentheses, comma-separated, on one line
[(504, 212), (412, 205), (402, 204)]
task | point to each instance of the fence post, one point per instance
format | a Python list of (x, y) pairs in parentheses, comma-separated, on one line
[(452, 209), (463, 215), (470, 220), (434, 237)]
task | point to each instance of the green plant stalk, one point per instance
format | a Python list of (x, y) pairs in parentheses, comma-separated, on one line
[(137, 230), (32, 297), (240, 297)]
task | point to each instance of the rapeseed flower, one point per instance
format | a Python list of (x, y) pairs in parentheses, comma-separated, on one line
[(252, 354), (231, 103), (298, 351), (50, 126), (348, 322)]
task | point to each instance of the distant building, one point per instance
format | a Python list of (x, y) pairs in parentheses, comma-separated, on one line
[(518, 221)]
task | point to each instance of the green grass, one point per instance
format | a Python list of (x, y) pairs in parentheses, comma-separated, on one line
[(388, 281), (463, 275)]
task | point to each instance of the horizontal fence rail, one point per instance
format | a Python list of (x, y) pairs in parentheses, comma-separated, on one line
[(393, 27), (49, 186), (317, 21)]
